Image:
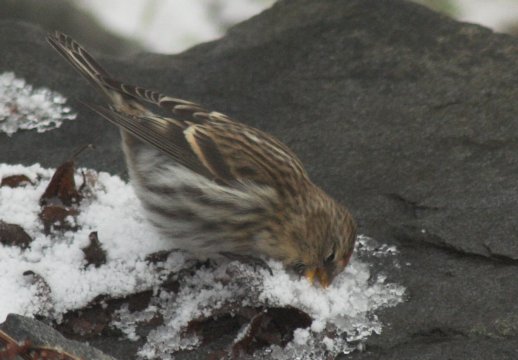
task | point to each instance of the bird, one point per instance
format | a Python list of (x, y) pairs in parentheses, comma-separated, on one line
[(217, 186)]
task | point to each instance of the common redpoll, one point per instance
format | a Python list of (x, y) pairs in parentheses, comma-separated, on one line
[(217, 186)]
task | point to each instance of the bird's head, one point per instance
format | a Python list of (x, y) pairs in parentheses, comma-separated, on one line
[(324, 245)]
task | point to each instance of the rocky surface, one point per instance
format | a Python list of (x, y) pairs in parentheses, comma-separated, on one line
[(406, 116), (21, 329)]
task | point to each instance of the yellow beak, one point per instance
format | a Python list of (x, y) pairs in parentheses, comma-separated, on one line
[(320, 274)]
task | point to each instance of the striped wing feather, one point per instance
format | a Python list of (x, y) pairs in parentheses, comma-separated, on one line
[(207, 142), (248, 154)]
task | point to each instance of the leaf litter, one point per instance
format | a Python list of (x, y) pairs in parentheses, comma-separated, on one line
[(95, 265)]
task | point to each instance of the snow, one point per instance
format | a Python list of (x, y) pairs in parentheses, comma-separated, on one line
[(114, 213), (499, 15), (23, 107), (346, 309)]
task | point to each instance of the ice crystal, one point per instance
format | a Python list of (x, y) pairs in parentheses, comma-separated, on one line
[(24, 107)]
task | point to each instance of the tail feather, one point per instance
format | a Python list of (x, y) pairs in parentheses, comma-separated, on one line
[(79, 58), (125, 96)]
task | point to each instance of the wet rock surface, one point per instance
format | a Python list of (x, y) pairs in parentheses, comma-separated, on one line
[(39, 335), (406, 116)]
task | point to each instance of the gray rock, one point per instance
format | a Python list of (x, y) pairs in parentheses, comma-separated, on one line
[(406, 116), (22, 328), (447, 347)]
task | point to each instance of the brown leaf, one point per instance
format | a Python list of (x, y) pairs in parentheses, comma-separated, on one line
[(271, 326), (286, 320), (14, 235), (94, 253), (244, 345), (94, 320), (139, 301), (62, 187), (222, 321), (15, 181), (55, 217), (158, 256), (263, 327), (89, 322)]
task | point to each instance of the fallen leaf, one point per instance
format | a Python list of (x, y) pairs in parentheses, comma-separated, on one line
[(271, 326), (62, 187), (94, 320), (56, 217), (244, 345), (14, 235), (15, 181), (158, 256), (139, 301), (94, 253), (260, 327), (89, 322)]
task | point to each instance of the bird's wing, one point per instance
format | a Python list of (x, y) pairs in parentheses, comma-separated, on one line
[(239, 152), (162, 133), (228, 152), (207, 142), (121, 95)]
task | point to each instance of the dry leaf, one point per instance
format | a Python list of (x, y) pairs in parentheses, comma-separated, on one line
[(14, 235), (94, 253), (271, 326), (56, 217), (15, 181), (62, 187)]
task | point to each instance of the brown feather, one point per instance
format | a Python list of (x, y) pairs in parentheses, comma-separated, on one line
[(209, 143), (161, 133), (208, 153)]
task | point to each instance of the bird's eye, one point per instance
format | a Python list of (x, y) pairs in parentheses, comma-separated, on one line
[(299, 268), (330, 259)]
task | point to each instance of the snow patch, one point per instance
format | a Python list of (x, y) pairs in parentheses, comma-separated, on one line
[(343, 314), (23, 107)]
